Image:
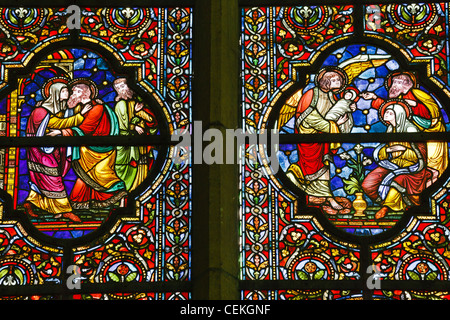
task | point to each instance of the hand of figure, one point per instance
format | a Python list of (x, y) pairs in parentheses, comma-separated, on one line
[(138, 106), (412, 103), (434, 121), (139, 129), (342, 119), (369, 96), (396, 148), (54, 132), (86, 109), (353, 107)]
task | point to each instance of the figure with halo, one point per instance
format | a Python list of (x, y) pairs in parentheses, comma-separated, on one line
[(47, 166), (312, 173), (97, 185), (425, 114), (402, 174)]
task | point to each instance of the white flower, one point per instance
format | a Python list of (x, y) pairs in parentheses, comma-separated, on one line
[(344, 156), (367, 161), (358, 148)]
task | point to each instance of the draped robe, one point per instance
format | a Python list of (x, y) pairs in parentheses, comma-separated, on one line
[(48, 165), (403, 189), (427, 117), (97, 184), (312, 170), (131, 166), (402, 175)]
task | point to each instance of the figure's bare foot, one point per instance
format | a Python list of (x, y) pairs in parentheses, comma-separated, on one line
[(382, 212), (344, 202), (29, 209), (71, 216), (329, 210), (316, 200), (334, 204)]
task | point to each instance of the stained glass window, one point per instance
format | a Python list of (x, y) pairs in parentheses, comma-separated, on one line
[(354, 207), (90, 197), (357, 206)]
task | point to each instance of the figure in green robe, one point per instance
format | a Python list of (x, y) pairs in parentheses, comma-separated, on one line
[(132, 162)]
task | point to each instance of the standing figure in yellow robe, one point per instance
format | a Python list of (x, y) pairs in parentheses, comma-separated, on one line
[(97, 185), (312, 172)]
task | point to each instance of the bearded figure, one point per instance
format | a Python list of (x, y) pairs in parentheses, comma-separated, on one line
[(48, 165), (132, 162), (425, 114), (97, 185), (312, 172)]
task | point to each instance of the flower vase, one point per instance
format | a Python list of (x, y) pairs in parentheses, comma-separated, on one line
[(359, 204)]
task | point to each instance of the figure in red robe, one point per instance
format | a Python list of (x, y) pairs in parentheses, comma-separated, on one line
[(402, 174), (98, 185), (312, 173), (426, 115)]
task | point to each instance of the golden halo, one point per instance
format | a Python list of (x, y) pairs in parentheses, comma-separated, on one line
[(337, 70), (45, 91), (390, 102), (86, 81), (354, 90)]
